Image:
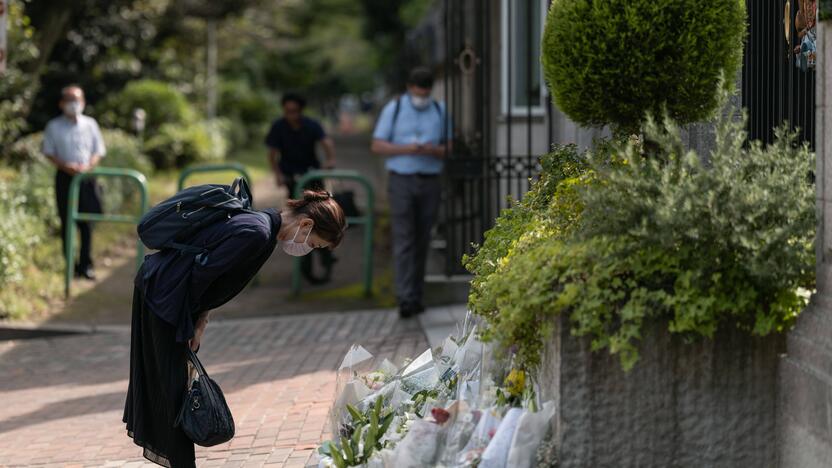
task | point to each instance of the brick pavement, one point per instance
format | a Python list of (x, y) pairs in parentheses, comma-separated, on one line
[(61, 398)]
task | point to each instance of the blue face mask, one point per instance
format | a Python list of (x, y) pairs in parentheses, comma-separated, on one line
[(297, 249)]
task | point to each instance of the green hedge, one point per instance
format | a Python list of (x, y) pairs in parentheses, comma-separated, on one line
[(180, 145), (249, 111), (613, 239), (611, 62)]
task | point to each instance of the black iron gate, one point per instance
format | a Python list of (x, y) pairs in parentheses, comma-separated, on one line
[(778, 81), (494, 91)]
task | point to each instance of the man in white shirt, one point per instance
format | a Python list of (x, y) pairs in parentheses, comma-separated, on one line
[(73, 142)]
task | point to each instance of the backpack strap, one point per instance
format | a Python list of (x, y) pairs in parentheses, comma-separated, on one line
[(436, 106), (395, 118)]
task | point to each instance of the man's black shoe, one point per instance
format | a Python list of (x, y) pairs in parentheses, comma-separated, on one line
[(407, 310), (87, 273), (418, 307)]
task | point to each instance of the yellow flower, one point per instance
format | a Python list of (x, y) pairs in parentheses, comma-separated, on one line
[(515, 382)]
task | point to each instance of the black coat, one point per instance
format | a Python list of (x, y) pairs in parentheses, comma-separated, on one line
[(177, 289), (171, 291)]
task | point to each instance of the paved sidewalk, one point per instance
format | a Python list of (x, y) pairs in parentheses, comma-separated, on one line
[(61, 398)]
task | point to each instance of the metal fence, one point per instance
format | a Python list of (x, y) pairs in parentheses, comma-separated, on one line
[(492, 85), (778, 82)]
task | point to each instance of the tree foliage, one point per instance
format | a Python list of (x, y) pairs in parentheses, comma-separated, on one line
[(16, 87)]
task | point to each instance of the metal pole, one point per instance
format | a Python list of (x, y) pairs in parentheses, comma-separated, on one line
[(232, 166)]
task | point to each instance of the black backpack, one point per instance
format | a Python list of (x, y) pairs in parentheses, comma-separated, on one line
[(173, 222)]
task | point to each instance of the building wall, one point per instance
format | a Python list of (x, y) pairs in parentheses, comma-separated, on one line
[(806, 380)]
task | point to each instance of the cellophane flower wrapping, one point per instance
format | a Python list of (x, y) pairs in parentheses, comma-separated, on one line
[(496, 453), (457, 406), (531, 430)]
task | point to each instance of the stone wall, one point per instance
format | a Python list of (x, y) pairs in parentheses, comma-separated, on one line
[(806, 385), (707, 403)]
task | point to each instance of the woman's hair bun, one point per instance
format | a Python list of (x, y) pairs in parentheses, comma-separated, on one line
[(329, 218), (310, 196)]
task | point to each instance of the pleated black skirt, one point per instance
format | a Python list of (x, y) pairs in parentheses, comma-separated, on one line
[(158, 379)]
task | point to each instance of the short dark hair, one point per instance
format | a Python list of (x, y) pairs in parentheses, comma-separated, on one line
[(293, 97), (66, 89), (421, 77)]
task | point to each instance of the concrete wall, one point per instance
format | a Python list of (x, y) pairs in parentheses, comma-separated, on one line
[(710, 403), (806, 385)]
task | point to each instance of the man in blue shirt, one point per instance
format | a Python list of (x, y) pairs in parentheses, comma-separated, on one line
[(412, 133)]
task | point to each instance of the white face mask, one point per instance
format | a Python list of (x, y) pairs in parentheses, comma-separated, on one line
[(297, 249), (74, 108), (419, 102)]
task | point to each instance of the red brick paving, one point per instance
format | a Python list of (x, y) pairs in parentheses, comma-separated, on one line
[(61, 399)]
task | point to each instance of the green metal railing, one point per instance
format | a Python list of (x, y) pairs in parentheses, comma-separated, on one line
[(232, 166), (73, 216), (368, 220)]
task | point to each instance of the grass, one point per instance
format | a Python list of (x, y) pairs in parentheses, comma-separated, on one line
[(382, 290)]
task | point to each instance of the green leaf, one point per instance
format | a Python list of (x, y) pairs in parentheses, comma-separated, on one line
[(338, 459), (385, 424), (326, 448), (355, 414), (348, 453)]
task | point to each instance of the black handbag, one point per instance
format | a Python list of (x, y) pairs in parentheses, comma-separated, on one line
[(205, 417)]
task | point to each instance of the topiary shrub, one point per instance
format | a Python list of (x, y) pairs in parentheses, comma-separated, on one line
[(163, 104), (610, 62)]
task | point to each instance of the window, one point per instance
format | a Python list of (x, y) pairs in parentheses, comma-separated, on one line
[(522, 88)]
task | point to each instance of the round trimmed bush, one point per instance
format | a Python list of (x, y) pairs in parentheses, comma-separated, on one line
[(611, 62), (163, 104)]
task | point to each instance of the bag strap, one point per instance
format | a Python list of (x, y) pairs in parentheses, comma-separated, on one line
[(185, 248), (240, 189), (195, 361)]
